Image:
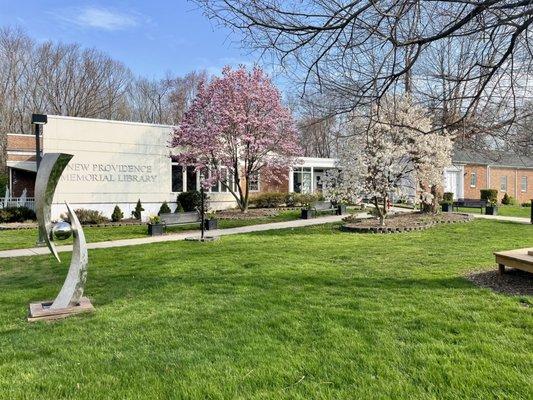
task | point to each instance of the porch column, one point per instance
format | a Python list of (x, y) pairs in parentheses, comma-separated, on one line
[(312, 180), (291, 180)]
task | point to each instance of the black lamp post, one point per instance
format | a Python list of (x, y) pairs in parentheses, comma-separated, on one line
[(37, 120)]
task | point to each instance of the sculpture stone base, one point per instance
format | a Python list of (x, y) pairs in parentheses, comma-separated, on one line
[(42, 312)]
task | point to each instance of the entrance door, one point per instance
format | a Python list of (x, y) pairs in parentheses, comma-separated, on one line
[(452, 183)]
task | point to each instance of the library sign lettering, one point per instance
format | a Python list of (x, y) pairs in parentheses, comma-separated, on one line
[(129, 173)]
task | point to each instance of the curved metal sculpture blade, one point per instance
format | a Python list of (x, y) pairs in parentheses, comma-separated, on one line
[(50, 170), (72, 289)]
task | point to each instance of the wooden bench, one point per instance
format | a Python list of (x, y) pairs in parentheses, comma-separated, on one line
[(520, 259), (470, 203), (181, 218)]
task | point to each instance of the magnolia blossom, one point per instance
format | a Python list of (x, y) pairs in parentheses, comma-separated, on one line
[(396, 150), (237, 121)]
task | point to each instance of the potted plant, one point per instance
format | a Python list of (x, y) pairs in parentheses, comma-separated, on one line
[(491, 197), (155, 227), (447, 202), (341, 209), (210, 221)]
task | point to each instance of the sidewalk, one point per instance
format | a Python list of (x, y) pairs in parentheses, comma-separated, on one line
[(219, 232), (177, 236), (502, 218)]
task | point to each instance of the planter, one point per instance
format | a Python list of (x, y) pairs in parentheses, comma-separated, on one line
[(447, 207), (210, 224), (491, 210), (307, 214), (341, 209), (156, 229)]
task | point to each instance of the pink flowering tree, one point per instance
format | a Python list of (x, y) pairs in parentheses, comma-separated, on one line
[(236, 129)]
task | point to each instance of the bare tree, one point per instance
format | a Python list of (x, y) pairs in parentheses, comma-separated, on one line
[(362, 49)]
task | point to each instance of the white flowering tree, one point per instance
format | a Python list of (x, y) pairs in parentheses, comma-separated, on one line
[(397, 150)]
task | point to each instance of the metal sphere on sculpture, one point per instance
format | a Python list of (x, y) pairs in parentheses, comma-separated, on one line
[(62, 230)]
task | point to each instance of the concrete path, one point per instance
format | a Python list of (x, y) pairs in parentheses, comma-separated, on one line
[(219, 232), (502, 218), (177, 236)]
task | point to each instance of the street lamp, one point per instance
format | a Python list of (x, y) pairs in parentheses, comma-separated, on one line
[(37, 120)]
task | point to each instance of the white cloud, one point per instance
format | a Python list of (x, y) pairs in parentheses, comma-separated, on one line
[(98, 18)]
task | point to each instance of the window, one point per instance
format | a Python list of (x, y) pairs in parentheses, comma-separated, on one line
[(191, 178), (302, 180), (254, 182), (226, 177), (177, 178), (523, 184), (503, 184), (473, 180)]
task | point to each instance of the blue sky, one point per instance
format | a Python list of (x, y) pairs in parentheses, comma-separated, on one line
[(151, 37)]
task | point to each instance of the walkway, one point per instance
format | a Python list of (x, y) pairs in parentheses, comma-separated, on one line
[(177, 236), (502, 218), (219, 232)]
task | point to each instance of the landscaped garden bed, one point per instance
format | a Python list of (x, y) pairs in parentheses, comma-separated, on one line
[(513, 282), (402, 222)]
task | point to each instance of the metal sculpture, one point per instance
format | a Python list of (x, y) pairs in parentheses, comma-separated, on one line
[(69, 300)]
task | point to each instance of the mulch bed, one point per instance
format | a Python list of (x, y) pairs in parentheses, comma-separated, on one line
[(402, 222), (513, 281)]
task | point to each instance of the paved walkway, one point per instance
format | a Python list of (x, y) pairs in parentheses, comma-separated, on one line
[(502, 218), (219, 232), (177, 236)]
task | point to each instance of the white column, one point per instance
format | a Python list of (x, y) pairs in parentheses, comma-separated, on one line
[(291, 180), (312, 180), (183, 179)]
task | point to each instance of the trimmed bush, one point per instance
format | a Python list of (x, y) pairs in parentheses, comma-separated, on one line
[(526, 204), (165, 209), (491, 195), (447, 198), (87, 217), (268, 199), (117, 214), (509, 200), (138, 210), (302, 199), (191, 200), (179, 207), (17, 214)]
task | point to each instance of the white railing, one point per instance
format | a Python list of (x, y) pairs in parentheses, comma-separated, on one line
[(17, 202)]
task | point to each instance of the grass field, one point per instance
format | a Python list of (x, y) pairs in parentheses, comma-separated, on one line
[(24, 238), (308, 313), (503, 210)]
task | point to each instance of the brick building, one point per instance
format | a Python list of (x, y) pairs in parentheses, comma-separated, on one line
[(505, 172)]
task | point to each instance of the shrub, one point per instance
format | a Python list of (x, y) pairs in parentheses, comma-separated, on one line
[(268, 199), (16, 214), (87, 217), (491, 195), (447, 198), (138, 210), (164, 209), (509, 200), (526, 204), (191, 200), (117, 214), (303, 199), (179, 207), (3, 184)]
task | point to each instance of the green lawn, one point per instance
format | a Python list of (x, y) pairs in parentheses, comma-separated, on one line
[(503, 210), (308, 313), (24, 238)]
